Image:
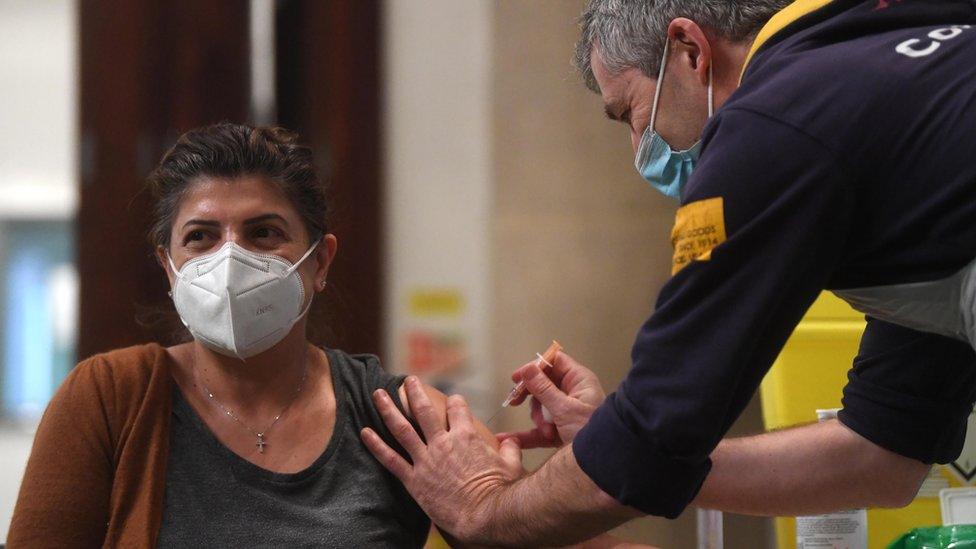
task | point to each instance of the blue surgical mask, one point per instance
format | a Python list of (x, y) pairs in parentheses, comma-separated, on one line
[(665, 169)]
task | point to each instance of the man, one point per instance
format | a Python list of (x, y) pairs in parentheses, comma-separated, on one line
[(841, 155)]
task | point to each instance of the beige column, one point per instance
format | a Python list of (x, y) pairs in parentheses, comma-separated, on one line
[(580, 244)]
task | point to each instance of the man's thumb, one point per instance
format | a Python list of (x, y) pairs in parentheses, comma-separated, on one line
[(511, 452), (543, 389)]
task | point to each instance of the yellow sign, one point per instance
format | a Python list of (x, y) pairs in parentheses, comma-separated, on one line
[(434, 302), (698, 228)]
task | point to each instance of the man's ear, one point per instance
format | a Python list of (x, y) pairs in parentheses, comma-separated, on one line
[(691, 46)]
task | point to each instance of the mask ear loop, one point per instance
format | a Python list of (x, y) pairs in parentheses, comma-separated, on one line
[(711, 91), (292, 269), (176, 272), (303, 258), (660, 81)]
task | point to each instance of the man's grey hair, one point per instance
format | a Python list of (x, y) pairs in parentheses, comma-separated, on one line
[(632, 33)]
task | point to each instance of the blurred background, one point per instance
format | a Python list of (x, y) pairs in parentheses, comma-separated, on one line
[(484, 205)]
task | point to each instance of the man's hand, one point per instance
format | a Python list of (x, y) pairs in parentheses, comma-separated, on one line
[(569, 390), (456, 476)]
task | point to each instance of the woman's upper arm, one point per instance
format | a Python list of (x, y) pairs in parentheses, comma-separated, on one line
[(439, 400), (64, 496)]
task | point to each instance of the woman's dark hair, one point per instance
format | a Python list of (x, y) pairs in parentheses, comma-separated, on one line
[(228, 150)]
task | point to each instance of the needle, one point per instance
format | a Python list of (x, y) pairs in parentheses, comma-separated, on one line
[(545, 359)]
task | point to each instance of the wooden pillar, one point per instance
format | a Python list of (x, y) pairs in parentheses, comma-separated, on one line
[(149, 70), (328, 83)]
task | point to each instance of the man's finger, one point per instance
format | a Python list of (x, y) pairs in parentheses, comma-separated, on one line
[(546, 428), (517, 401), (539, 418), (402, 430), (520, 371), (532, 439), (387, 456), (458, 414), (561, 365), (511, 453), (423, 409), (516, 377), (542, 388)]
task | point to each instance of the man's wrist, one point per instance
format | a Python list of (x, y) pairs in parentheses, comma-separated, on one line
[(556, 505)]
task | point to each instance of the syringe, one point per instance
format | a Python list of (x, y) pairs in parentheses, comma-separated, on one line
[(543, 361)]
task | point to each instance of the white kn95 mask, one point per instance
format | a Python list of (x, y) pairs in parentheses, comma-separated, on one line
[(237, 302)]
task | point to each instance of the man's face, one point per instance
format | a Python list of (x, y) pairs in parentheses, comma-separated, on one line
[(628, 97)]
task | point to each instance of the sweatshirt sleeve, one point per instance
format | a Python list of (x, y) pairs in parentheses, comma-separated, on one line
[(911, 392), (762, 228), (64, 496)]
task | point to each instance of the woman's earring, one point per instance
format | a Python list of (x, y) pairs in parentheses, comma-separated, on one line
[(321, 285)]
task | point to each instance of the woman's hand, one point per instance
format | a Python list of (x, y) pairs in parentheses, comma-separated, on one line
[(568, 390)]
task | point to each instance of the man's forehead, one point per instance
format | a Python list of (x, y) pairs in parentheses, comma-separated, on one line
[(613, 85)]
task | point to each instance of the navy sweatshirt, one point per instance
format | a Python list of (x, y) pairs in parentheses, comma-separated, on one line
[(846, 158)]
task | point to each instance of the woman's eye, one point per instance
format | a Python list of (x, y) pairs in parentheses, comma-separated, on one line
[(266, 233), (195, 238)]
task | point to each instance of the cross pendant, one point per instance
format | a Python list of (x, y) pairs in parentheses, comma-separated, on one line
[(260, 443)]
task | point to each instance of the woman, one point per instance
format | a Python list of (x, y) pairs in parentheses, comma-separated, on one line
[(248, 435)]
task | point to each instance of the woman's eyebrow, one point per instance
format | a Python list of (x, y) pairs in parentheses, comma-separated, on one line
[(266, 217), (204, 222)]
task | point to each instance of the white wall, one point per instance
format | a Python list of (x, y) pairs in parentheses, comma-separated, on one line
[(38, 143), (437, 56), (38, 106), (14, 449)]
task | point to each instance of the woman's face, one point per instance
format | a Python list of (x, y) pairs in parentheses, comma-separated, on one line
[(251, 212)]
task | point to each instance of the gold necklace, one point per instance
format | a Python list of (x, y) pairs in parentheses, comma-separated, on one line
[(261, 442)]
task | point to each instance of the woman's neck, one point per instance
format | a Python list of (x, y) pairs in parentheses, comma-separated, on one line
[(257, 384)]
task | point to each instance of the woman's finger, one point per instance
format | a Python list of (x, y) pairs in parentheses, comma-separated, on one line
[(423, 409), (398, 425), (387, 456)]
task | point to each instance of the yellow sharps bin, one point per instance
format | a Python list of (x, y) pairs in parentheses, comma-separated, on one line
[(810, 374)]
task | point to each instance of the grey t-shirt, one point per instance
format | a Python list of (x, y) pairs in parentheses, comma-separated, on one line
[(215, 498)]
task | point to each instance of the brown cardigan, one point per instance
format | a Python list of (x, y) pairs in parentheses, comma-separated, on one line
[(97, 471)]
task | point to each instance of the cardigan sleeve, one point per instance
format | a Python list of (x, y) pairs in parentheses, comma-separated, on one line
[(64, 497)]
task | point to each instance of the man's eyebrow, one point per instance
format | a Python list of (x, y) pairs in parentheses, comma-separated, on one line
[(612, 108), (266, 217)]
